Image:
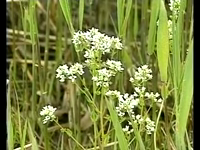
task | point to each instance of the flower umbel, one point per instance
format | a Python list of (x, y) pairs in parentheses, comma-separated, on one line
[(174, 6), (115, 66), (153, 97), (63, 72), (48, 113), (126, 104), (150, 125), (113, 93), (142, 74), (103, 77)]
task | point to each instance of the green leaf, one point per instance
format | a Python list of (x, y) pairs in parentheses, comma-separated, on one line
[(120, 15), (123, 144), (186, 94), (153, 24), (32, 138), (81, 13), (135, 28), (125, 22), (66, 11), (24, 136), (163, 42)]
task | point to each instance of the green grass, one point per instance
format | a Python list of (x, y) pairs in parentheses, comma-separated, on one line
[(39, 40)]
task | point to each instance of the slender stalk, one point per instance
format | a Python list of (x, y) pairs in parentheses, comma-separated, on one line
[(46, 52), (62, 129), (157, 121), (101, 117)]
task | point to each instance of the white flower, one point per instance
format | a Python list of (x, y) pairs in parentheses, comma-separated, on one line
[(48, 113), (126, 104), (80, 41), (175, 7), (62, 72), (113, 93), (116, 43), (150, 125), (139, 119), (94, 40), (170, 29), (115, 66), (90, 54), (153, 96), (103, 77), (142, 74), (140, 91), (131, 79), (76, 69), (127, 129)]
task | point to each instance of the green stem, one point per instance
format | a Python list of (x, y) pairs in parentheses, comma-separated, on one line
[(157, 124), (95, 135), (101, 118), (69, 135)]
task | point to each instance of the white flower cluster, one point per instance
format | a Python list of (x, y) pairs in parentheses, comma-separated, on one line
[(113, 93), (127, 129), (153, 97), (126, 104), (139, 91), (64, 72), (48, 113), (142, 74), (150, 125), (114, 66), (137, 119), (174, 6), (170, 29), (103, 77), (94, 40)]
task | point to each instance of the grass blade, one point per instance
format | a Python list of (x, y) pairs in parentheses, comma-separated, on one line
[(120, 15), (32, 138), (128, 10), (153, 24), (81, 13), (67, 13), (186, 95), (135, 28), (119, 132), (10, 142), (24, 136), (163, 42)]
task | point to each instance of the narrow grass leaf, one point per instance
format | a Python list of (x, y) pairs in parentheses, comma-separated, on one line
[(24, 136), (186, 94), (153, 24), (81, 13), (32, 138), (163, 42), (10, 141), (125, 22), (135, 26), (120, 15), (123, 144), (67, 14)]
